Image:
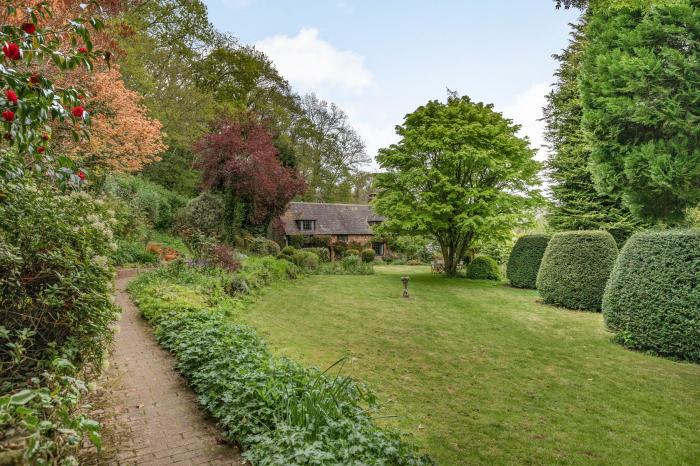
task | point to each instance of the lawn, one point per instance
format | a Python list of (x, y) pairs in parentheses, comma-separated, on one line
[(481, 373)]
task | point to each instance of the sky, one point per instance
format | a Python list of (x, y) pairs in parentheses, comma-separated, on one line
[(379, 60)]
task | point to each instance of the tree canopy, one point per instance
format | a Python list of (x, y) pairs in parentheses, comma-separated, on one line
[(640, 87), (459, 172)]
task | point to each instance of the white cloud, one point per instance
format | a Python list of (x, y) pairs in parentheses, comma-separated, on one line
[(526, 111), (314, 65)]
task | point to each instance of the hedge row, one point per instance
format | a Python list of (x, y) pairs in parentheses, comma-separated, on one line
[(652, 299), (279, 411), (575, 268), (525, 259)]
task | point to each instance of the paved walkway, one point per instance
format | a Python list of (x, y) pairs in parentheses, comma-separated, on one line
[(149, 414)]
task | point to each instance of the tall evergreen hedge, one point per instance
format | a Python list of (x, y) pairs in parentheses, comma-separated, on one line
[(575, 268), (524, 261), (652, 299)]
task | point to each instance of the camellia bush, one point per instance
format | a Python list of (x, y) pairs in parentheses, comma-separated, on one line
[(483, 268), (652, 300), (575, 268), (524, 261)]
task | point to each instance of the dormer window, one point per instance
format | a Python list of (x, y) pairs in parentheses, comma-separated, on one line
[(306, 225)]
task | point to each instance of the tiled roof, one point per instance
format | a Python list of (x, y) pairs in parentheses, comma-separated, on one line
[(331, 219)]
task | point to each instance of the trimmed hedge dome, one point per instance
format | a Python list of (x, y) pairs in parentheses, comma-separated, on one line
[(575, 268), (652, 299), (524, 261), (483, 268)]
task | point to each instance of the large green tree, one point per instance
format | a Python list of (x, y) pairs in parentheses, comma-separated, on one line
[(458, 173), (577, 204), (640, 88)]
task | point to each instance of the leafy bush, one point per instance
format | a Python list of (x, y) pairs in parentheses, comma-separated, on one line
[(225, 257), (339, 248), (55, 273), (287, 253), (411, 262), (133, 252), (367, 255), (296, 241), (352, 252), (323, 254), (483, 268), (525, 259), (652, 299), (261, 246), (575, 268), (204, 213), (154, 202), (306, 260), (277, 410), (348, 265), (55, 301)]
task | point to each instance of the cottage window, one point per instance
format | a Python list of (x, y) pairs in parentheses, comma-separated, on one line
[(343, 238), (378, 248), (306, 225)]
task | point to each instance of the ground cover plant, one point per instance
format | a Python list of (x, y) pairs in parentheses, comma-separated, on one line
[(279, 411), (525, 259), (575, 268), (652, 299), (485, 374)]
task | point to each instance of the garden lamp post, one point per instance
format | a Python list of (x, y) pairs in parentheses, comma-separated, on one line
[(404, 280)]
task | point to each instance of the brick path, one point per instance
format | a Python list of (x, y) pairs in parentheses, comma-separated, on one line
[(149, 414)]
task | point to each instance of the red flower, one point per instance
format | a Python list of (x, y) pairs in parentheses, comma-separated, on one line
[(11, 51), (34, 78), (8, 136), (78, 111), (11, 96), (29, 28), (40, 149), (8, 115), (45, 137), (82, 50), (81, 175)]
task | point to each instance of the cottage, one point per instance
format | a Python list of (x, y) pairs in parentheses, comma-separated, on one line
[(349, 223)]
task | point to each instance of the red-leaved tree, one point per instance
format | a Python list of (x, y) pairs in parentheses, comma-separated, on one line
[(238, 158)]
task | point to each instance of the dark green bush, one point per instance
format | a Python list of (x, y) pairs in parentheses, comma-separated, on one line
[(525, 259), (575, 268), (483, 268), (352, 252), (367, 255), (348, 265), (652, 299), (296, 241), (204, 213), (55, 317), (339, 247)]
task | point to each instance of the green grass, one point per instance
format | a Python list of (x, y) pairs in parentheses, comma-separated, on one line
[(482, 373)]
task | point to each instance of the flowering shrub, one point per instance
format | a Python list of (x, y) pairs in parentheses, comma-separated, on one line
[(30, 99), (55, 296)]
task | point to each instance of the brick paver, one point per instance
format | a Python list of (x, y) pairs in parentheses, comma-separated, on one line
[(149, 414)]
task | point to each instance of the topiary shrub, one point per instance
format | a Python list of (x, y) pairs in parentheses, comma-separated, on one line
[(575, 267), (524, 261), (352, 252), (652, 299), (483, 268), (367, 255)]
